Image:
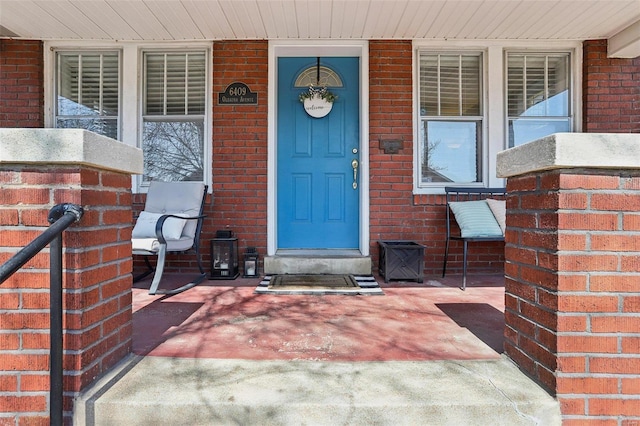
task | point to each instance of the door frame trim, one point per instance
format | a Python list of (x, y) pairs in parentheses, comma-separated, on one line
[(306, 48)]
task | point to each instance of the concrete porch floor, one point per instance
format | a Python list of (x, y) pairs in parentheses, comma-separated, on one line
[(221, 319), (425, 353)]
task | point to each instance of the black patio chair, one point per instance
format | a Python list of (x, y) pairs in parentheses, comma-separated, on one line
[(477, 216), (170, 223)]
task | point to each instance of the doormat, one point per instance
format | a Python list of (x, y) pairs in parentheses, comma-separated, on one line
[(364, 285)]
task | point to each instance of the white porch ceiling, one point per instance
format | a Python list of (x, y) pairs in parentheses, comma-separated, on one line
[(179, 20)]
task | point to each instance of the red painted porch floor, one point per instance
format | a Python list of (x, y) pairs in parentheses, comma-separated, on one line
[(434, 320)]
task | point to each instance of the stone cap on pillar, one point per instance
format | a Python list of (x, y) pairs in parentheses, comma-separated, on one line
[(68, 147), (571, 150)]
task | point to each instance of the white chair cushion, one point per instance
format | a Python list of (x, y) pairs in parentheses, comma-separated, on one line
[(145, 245), (499, 210), (475, 219), (174, 198), (145, 226), (148, 246)]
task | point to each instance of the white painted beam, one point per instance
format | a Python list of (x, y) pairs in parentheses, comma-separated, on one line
[(625, 44)]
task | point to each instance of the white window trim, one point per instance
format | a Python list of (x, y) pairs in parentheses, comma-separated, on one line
[(207, 161), (131, 91), (357, 48), (495, 122), (54, 78), (462, 118)]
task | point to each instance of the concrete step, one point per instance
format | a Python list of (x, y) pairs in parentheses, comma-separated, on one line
[(317, 262), (181, 391)]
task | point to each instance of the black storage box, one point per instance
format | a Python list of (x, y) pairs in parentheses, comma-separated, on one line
[(401, 260)]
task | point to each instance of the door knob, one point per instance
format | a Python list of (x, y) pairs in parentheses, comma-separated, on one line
[(354, 165)]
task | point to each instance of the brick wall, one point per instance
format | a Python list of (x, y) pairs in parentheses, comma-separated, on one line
[(240, 161), (396, 214), (611, 104), (239, 200), (21, 83), (97, 285), (572, 289), (611, 91), (240, 145)]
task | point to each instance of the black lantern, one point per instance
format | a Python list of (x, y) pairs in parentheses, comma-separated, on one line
[(250, 262), (224, 256)]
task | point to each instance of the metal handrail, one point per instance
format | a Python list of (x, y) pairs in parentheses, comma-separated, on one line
[(61, 216)]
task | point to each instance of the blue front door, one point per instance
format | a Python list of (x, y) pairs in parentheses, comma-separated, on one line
[(317, 185)]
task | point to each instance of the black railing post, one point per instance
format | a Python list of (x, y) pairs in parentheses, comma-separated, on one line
[(56, 375), (55, 350)]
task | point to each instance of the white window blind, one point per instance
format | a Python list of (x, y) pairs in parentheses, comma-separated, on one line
[(175, 84), (450, 85), (88, 91)]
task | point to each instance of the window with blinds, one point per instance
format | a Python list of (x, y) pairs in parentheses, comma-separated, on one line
[(538, 95), (451, 114), (88, 91), (174, 107)]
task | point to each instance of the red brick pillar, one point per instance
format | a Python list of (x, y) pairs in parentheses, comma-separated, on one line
[(573, 272), (34, 176)]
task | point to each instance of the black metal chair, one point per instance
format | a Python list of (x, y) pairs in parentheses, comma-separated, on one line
[(484, 226), (170, 223)]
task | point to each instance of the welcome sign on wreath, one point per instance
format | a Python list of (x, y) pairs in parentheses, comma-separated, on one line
[(317, 102)]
